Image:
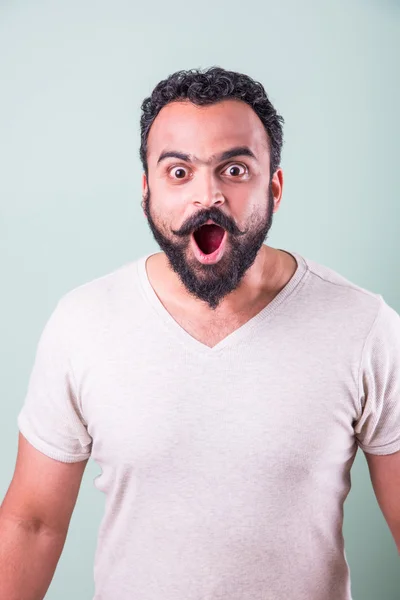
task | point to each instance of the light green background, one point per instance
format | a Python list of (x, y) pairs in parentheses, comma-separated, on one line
[(73, 75)]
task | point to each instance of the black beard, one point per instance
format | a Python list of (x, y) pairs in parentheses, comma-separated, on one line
[(211, 283)]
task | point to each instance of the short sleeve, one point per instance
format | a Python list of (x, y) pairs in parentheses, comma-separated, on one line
[(50, 418), (377, 429)]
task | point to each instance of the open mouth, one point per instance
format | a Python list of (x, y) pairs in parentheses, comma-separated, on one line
[(209, 238)]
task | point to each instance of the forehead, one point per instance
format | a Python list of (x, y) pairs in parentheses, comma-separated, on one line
[(203, 130)]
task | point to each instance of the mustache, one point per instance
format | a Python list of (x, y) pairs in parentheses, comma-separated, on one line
[(200, 218)]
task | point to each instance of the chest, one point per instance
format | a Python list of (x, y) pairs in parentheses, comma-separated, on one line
[(210, 331), (158, 409), (213, 328)]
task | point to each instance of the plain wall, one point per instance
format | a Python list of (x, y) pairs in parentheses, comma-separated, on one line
[(73, 75)]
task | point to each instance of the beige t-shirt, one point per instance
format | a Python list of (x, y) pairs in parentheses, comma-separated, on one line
[(225, 468)]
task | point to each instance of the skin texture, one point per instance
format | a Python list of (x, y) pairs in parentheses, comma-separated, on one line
[(246, 197), (34, 521), (385, 476)]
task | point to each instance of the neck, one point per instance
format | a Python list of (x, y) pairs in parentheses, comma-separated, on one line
[(263, 280)]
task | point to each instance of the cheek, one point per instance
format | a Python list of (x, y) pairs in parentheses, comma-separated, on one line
[(167, 208), (167, 193), (176, 206), (244, 199)]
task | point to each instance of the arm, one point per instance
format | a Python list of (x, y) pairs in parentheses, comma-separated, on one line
[(385, 476), (34, 520)]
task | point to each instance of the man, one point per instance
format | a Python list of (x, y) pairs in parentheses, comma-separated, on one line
[(222, 385)]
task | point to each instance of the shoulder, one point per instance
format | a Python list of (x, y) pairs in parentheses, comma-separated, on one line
[(330, 277), (93, 303), (102, 289), (334, 283), (348, 304)]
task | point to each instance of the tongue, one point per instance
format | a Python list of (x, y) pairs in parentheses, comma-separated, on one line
[(209, 238)]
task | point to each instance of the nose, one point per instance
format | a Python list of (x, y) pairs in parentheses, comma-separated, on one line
[(207, 192)]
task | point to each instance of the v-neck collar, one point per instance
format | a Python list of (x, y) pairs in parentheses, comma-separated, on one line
[(239, 333)]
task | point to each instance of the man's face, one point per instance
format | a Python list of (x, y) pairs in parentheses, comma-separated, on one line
[(193, 181)]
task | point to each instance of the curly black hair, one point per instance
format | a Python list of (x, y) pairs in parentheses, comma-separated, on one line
[(209, 87)]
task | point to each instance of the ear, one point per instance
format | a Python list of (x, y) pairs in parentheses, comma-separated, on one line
[(144, 192), (277, 188)]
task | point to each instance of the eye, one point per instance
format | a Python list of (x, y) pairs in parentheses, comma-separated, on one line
[(178, 172), (236, 170)]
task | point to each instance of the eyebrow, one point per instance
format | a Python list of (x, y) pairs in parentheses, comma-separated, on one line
[(231, 153)]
